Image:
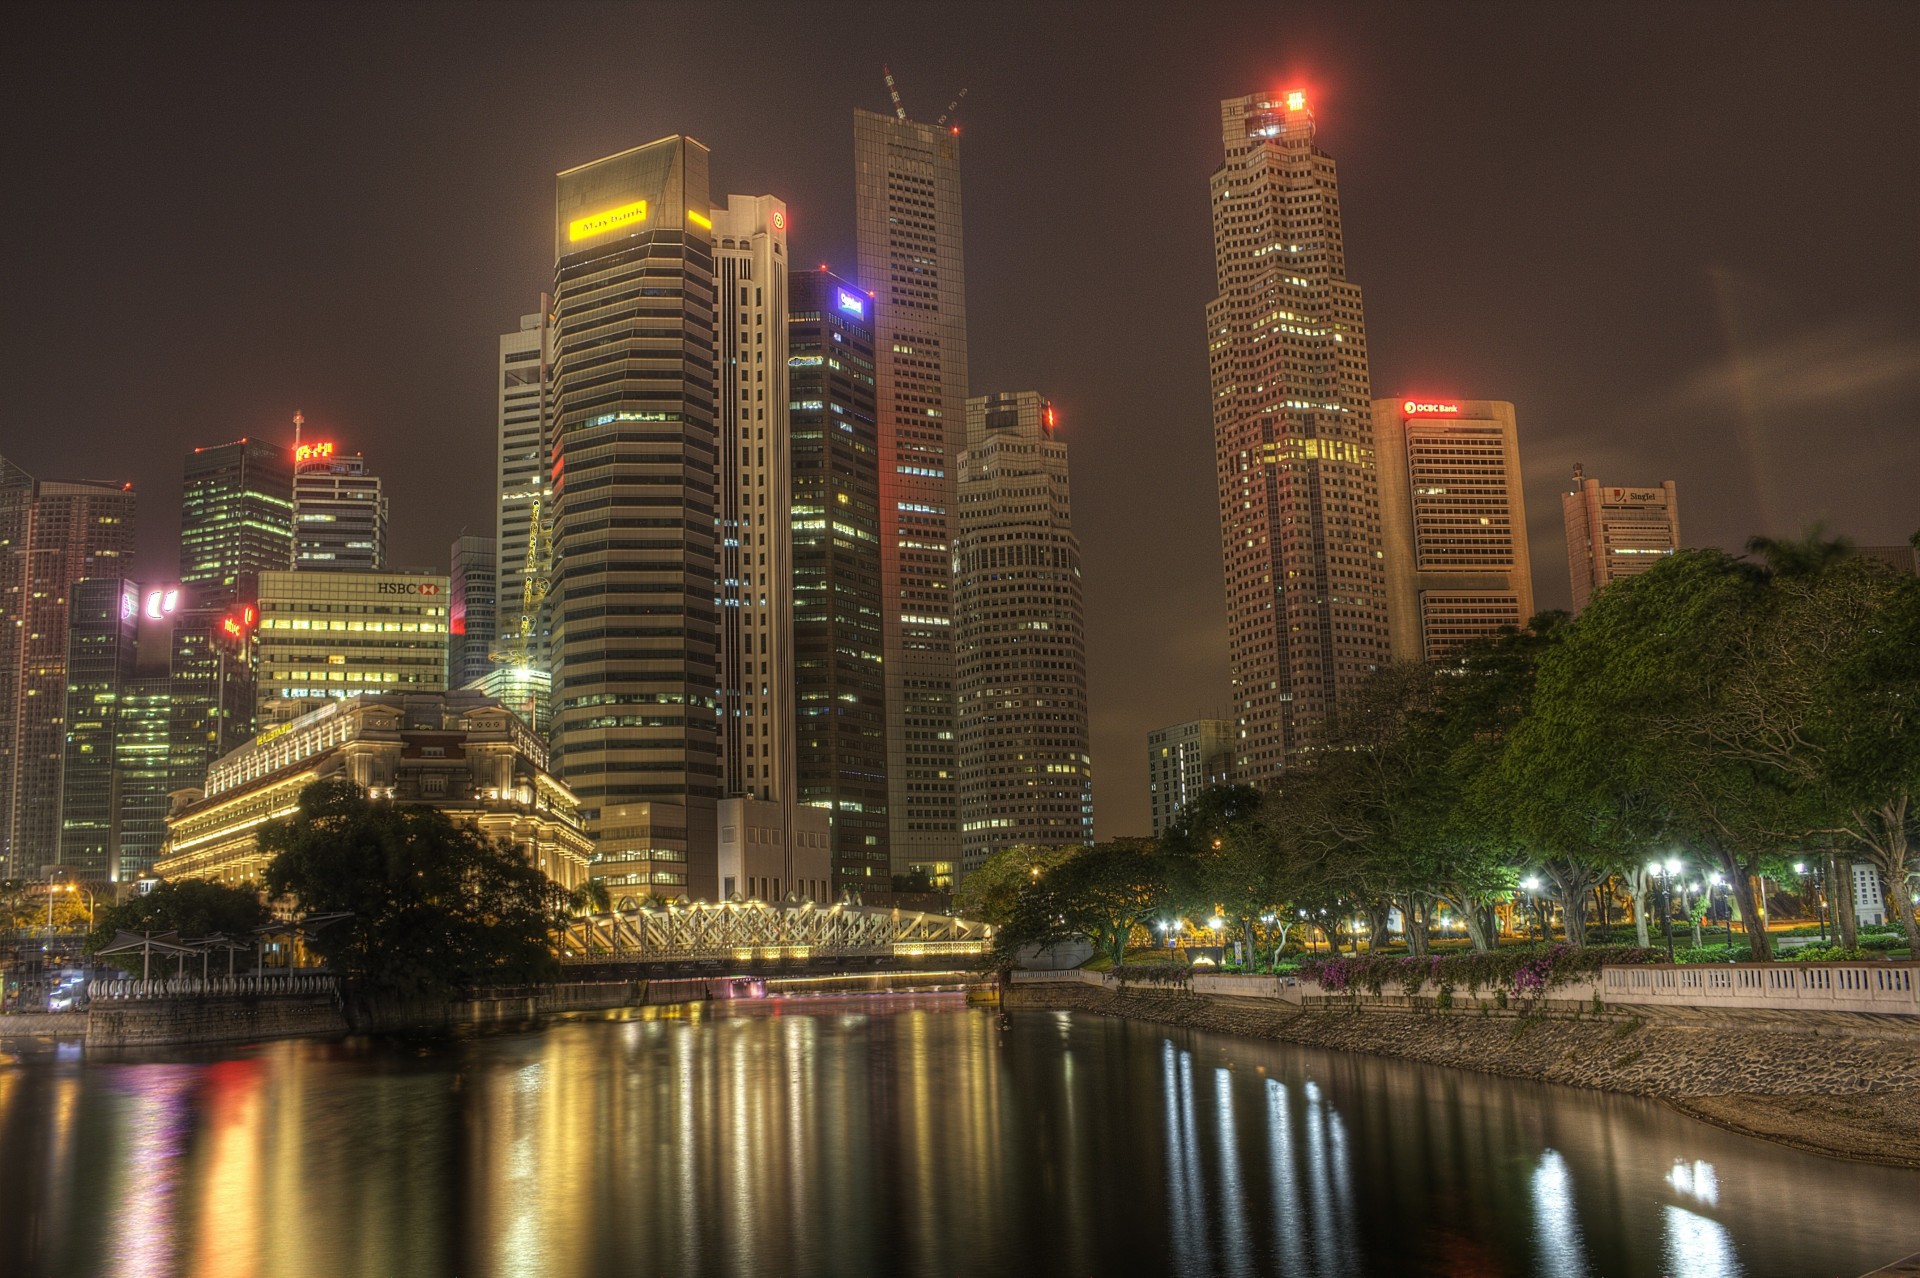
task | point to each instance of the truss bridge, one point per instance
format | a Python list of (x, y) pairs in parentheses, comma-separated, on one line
[(756, 933)]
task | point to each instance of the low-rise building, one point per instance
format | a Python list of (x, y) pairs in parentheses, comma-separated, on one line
[(460, 752)]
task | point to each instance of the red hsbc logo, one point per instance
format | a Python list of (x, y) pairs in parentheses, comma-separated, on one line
[(409, 587)]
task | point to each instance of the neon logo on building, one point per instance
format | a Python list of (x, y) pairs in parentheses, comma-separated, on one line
[(779, 219), (238, 625), (1419, 408), (312, 452), (162, 602), (583, 227), (1296, 101), (852, 303)]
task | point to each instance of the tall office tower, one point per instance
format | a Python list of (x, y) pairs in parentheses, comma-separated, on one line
[(1183, 761), (754, 596), (907, 218), (1616, 532), (635, 637), (1454, 523), (339, 512), (1293, 437), (236, 514), (1026, 774), (471, 609), (329, 635), (839, 682), (524, 483), (210, 682), (59, 534)]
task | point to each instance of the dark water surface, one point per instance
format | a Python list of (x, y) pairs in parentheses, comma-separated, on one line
[(887, 1135)]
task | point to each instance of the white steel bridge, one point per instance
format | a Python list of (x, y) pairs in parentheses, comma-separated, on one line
[(756, 931)]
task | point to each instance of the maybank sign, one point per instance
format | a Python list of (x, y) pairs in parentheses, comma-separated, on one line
[(582, 228)]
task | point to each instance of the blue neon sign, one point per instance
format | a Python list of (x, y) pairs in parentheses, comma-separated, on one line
[(852, 303)]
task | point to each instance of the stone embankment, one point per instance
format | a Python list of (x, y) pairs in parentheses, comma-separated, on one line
[(1843, 1085)]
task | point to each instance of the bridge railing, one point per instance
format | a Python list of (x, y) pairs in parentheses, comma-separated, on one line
[(212, 987)]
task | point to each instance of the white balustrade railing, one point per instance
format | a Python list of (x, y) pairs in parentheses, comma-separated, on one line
[(177, 987), (1891, 988)]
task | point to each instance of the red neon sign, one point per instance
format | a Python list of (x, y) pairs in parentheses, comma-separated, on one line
[(312, 452), (779, 219), (1423, 408)]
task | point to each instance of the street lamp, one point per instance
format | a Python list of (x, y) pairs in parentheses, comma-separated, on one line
[(1663, 874), (1532, 885)]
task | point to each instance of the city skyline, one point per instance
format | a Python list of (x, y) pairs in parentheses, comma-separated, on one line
[(1666, 405)]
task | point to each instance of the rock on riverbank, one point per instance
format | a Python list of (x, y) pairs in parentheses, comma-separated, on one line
[(1816, 1086)]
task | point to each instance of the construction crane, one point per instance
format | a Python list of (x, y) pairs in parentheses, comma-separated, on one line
[(517, 647), (899, 108), (952, 106)]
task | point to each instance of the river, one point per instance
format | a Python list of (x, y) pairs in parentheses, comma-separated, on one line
[(885, 1135)]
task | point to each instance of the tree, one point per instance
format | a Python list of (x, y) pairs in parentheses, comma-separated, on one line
[(988, 894), (434, 908), (1205, 818), (1104, 892), (190, 907)]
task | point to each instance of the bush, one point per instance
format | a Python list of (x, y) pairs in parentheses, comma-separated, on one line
[(1527, 971), (1881, 940), (1828, 954)]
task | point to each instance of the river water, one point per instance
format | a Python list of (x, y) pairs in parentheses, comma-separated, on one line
[(889, 1135)]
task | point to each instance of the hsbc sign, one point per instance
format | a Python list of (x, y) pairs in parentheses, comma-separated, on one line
[(409, 587)]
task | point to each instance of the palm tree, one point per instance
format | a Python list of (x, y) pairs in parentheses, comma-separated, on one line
[(1805, 556)]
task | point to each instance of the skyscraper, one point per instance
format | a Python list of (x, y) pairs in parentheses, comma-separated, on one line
[(907, 219), (754, 598), (1183, 761), (236, 514), (1026, 774), (339, 512), (524, 484), (472, 606), (635, 636), (1454, 523), (52, 535), (839, 682), (1616, 532), (1293, 437)]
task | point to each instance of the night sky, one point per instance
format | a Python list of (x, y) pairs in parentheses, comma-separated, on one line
[(1682, 239)]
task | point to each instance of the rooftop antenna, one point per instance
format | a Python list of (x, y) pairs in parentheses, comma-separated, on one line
[(298, 422), (952, 106), (899, 108)]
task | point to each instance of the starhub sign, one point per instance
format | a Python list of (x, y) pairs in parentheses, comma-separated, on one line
[(851, 302)]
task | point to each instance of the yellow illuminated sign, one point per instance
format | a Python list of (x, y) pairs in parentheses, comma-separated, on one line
[(582, 227), (703, 223)]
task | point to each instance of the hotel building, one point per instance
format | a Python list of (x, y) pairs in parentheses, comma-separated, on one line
[(330, 635), (458, 752), (1026, 774), (1293, 437), (339, 512), (1616, 532), (1453, 523), (907, 223)]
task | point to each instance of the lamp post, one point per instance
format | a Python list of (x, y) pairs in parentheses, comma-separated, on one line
[(1663, 876), (1214, 925), (1532, 885)]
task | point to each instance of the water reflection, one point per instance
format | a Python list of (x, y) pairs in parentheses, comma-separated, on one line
[(880, 1136)]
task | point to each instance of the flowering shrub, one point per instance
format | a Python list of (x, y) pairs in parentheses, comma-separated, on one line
[(1527, 971)]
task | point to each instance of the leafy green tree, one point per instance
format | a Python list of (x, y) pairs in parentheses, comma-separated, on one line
[(434, 908), (988, 894), (190, 907), (1204, 819), (1107, 890)]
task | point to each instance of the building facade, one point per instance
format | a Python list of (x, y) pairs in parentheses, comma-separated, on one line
[(1183, 761), (839, 681), (53, 535), (339, 512), (907, 223), (1616, 532), (458, 752), (1453, 523), (524, 483), (472, 609), (635, 637), (1026, 771), (330, 635), (1293, 434), (236, 514), (157, 687)]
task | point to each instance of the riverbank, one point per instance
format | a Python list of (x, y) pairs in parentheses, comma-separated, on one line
[(1818, 1087)]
